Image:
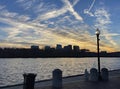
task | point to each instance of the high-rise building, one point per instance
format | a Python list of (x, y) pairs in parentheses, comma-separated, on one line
[(76, 48), (58, 46), (47, 48), (34, 47), (68, 48)]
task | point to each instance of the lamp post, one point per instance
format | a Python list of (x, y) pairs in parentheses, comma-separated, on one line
[(97, 34)]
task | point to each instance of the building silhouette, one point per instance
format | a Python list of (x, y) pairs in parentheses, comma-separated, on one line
[(47, 48), (68, 48), (66, 51), (58, 47), (76, 48), (34, 47)]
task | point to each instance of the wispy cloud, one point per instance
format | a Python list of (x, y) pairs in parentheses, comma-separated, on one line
[(91, 6), (102, 17), (2, 7), (75, 2), (102, 21), (57, 12), (88, 11), (61, 25), (26, 31), (13, 15), (5, 13), (51, 14), (71, 9), (27, 4)]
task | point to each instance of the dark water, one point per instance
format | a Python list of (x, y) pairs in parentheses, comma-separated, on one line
[(11, 70)]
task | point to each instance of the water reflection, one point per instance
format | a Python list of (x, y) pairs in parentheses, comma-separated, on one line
[(11, 70)]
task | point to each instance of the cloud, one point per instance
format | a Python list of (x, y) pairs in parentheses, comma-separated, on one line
[(61, 25), (112, 34), (88, 11), (26, 32), (57, 12), (91, 6), (20, 31), (52, 14), (102, 21), (13, 15), (46, 11), (71, 9), (75, 2), (27, 4), (8, 14), (102, 17), (19, 1), (41, 8), (2, 7)]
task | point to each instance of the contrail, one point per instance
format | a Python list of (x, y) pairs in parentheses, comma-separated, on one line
[(91, 5), (87, 11), (75, 2)]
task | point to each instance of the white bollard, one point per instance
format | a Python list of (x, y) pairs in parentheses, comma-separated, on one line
[(104, 74), (57, 79), (93, 75)]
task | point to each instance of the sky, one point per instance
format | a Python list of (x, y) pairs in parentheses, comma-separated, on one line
[(49, 22)]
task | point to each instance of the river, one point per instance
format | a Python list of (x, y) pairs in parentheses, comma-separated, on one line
[(12, 69)]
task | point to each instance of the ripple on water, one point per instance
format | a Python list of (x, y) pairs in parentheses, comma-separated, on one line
[(12, 70)]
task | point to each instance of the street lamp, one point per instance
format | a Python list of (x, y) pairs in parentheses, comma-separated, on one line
[(97, 34)]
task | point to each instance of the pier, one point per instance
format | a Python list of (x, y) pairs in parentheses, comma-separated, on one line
[(77, 82)]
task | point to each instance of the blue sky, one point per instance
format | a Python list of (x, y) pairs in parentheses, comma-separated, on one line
[(49, 22)]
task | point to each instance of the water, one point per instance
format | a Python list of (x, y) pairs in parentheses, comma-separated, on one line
[(11, 70)]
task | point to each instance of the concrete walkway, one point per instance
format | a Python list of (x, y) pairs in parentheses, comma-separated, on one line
[(113, 83), (77, 82)]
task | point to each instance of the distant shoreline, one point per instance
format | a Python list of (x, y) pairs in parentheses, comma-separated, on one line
[(65, 57), (52, 53)]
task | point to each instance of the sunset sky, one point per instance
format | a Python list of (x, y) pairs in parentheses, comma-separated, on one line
[(49, 22)]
